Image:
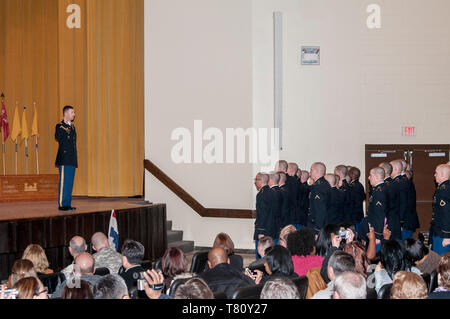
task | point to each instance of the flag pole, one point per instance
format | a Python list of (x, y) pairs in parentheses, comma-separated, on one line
[(37, 151)]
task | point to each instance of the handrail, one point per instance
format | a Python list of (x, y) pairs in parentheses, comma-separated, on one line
[(191, 201)]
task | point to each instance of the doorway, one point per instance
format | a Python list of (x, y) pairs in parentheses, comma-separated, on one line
[(423, 159)]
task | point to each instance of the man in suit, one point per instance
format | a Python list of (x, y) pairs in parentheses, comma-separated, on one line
[(319, 197), (378, 203), (358, 195), (265, 221), (335, 213), (342, 172), (440, 223), (66, 159), (285, 214), (393, 209), (276, 201)]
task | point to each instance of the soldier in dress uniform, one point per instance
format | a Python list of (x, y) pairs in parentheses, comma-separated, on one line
[(264, 222), (342, 172), (393, 209), (319, 198), (292, 182), (276, 202), (358, 196), (303, 199), (335, 213), (440, 223), (285, 215), (66, 159)]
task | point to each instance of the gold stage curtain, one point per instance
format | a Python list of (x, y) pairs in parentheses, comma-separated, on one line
[(98, 69)]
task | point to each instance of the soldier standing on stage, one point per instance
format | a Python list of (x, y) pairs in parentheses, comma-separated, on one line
[(440, 223), (393, 209), (66, 159), (285, 215), (342, 171), (357, 196), (318, 198), (276, 202)]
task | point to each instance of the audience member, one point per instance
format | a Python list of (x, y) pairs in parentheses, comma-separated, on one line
[(195, 288), (284, 234), (357, 251), (84, 291), (301, 245), (264, 243), (279, 288), (132, 256), (224, 241), (30, 288), (221, 276), (408, 285), (105, 256), (339, 262), (77, 245), (36, 255), (327, 243), (350, 285), (111, 287), (278, 263), (443, 290), (419, 255), (21, 268), (174, 266)]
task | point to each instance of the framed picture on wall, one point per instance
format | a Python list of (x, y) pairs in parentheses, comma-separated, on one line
[(310, 55)]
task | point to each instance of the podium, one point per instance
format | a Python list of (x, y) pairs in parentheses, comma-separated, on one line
[(19, 188)]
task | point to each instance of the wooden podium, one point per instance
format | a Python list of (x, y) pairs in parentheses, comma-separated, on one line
[(18, 188)]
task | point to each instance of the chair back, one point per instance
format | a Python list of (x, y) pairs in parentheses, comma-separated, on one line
[(175, 284), (158, 264), (198, 263), (385, 292), (102, 271), (220, 295), (433, 282), (248, 292), (51, 281), (302, 286)]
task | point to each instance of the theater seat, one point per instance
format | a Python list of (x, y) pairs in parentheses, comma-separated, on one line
[(220, 295), (51, 281), (102, 271), (385, 292), (248, 292), (158, 264), (302, 286), (371, 293), (433, 282), (175, 285), (198, 263)]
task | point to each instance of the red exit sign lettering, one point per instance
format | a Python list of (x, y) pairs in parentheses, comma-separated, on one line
[(408, 130)]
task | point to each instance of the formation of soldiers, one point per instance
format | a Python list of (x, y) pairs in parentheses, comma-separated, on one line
[(289, 195)]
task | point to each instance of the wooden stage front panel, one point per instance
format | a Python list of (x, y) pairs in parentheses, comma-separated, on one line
[(41, 223), (17, 188)]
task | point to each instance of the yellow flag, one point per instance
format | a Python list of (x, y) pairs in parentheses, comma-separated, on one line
[(16, 128), (34, 126), (24, 123)]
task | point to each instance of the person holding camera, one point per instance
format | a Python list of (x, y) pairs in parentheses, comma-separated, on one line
[(132, 257)]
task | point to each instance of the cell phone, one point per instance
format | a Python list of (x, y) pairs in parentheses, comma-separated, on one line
[(249, 271)]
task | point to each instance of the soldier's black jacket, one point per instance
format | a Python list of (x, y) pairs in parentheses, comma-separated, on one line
[(440, 223), (413, 218), (335, 213), (358, 195), (319, 204), (292, 188), (285, 214), (348, 205), (393, 211), (302, 197), (67, 139), (402, 184), (377, 209), (276, 207), (265, 222)]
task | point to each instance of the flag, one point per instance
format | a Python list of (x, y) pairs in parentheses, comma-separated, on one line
[(34, 126), (16, 127), (5, 124), (24, 123), (113, 232)]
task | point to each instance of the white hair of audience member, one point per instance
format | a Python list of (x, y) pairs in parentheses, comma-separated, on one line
[(350, 285), (280, 288)]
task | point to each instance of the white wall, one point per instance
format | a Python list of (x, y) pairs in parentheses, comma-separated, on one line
[(213, 60)]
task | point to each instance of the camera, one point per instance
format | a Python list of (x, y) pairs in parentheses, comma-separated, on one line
[(344, 234), (141, 283)]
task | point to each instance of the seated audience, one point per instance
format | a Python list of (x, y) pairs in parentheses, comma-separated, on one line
[(221, 276), (350, 285), (443, 290), (36, 255), (280, 288), (357, 251), (83, 269), (84, 291), (111, 287), (77, 245), (264, 243), (327, 243), (105, 256), (301, 245), (224, 241), (174, 266), (21, 268), (132, 256), (278, 263), (419, 255), (30, 288), (339, 263), (195, 288), (392, 259), (284, 234), (408, 285)]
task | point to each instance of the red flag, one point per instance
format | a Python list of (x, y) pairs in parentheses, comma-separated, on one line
[(5, 124)]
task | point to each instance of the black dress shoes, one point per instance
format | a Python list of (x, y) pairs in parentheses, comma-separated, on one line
[(66, 208)]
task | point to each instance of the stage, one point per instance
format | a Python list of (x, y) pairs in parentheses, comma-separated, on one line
[(42, 223)]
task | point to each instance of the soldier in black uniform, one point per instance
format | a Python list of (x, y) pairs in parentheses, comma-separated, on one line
[(440, 223), (412, 201), (335, 213), (265, 221), (357, 196), (303, 197), (276, 200), (285, 217), (319, 198), (292, 185), (393, 209), (342, 171), (66, 159)]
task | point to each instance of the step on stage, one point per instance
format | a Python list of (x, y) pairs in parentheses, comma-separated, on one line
[(24, 223)]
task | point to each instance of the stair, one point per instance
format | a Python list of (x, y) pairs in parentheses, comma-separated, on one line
[(175, 239)]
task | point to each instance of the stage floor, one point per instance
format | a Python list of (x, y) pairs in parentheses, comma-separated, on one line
[(84, 205)]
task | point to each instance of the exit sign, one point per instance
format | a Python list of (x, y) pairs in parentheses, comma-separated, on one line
[(408, 130)]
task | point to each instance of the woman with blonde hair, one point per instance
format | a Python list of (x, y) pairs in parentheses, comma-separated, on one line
[(21, 268), (408, 285), (36, 255), (284, 234)]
